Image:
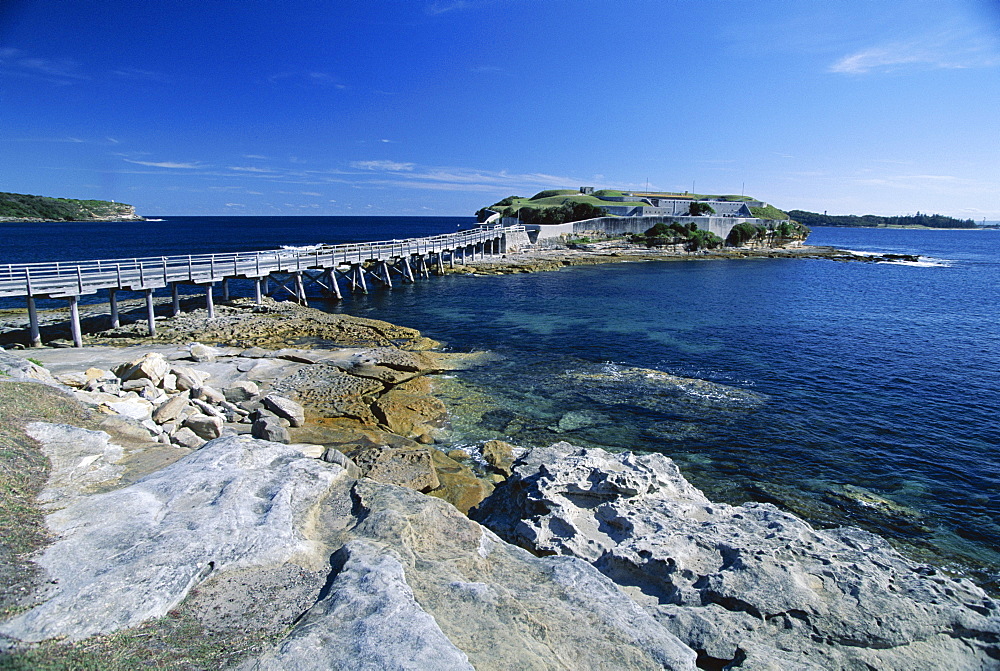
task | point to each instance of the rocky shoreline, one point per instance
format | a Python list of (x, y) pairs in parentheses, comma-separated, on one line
[(281, 497)]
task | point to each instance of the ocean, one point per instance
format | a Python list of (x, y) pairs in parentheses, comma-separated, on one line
[(848, 393)]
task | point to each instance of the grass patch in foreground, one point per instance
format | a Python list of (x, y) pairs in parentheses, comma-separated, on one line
[(177, 641)]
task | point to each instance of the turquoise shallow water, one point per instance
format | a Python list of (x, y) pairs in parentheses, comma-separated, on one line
[(849, 393), (873, 387)]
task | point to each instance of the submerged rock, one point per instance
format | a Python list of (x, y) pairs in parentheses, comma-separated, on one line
[(748, 583)]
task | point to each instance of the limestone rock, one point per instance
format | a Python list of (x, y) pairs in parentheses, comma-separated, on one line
[(22, 369), (172, 409), (270, 428), (204, 426), (284, 407), (202, 353), (241, 390), (134, 553), (744, 581), (457, 587), (185, 437), (499, 455), (208, 394), (459, 485), (335, 456), (135, 408), (187, 378), (410, 467), (151, 366), (79, 459), (408, 414), (370, 619)]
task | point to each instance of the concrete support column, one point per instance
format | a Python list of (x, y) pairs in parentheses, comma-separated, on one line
[(175, 299), (36, 337), (359, 278), (300, 290), (407, 271), (74, 321), (225, 289), (113, 300), (150, 313), (440, 264), (451, 259), (209, 300), (334, 286), (258, 289), (387, 274)]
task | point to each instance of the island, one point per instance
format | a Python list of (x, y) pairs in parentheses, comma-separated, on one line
[(23, 207), (692, 221)]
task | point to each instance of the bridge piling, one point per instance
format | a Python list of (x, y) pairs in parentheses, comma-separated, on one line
[(209, 301), (113, 301), (150, 313), (258, 289), (35, 337), (74, 321), (175, 299)]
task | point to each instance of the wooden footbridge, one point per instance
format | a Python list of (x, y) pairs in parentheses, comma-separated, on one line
[(290, 270)]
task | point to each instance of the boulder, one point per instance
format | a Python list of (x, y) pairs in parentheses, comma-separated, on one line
[(201, 353), (741, 582), (499, 455), (208, 394), (335, 456), (151, 366), (270, 428), (284, 407), (188, 378), (22, 369), (241, 390), (172, 409), (136, 408), (185, 437), (204, 426)]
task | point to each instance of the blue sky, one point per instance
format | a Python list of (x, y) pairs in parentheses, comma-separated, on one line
[(414, 107)]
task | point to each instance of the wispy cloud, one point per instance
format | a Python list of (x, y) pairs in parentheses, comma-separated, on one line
[(390, 166), (55, 70), (135, 74), (167, 164), (951, 49), (445, 6), (307, 78), (249, 168)]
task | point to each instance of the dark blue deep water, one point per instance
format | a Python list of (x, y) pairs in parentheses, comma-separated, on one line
[(849, 393)]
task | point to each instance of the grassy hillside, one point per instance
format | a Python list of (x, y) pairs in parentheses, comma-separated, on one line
[(18, 206)]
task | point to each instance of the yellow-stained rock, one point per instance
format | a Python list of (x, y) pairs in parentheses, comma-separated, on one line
[(459, 485)]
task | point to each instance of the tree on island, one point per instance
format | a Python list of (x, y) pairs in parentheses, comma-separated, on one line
[(697, 209)]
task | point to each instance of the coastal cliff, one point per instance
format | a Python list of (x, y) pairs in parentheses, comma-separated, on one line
[(22, 207)]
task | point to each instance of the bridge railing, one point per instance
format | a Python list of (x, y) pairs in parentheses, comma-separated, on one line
[(82, 277)]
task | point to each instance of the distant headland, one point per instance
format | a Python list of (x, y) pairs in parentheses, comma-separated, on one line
[(22, 207), (917, 220)]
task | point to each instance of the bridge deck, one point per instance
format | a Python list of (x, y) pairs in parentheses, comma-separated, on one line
[(72, 279), (77, 278)]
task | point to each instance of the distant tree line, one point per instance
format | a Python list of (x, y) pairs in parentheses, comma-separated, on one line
[(871, 220)]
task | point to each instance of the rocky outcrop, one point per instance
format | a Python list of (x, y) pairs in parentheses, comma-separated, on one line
[(749, 586), (359, 574), (132, 554)]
